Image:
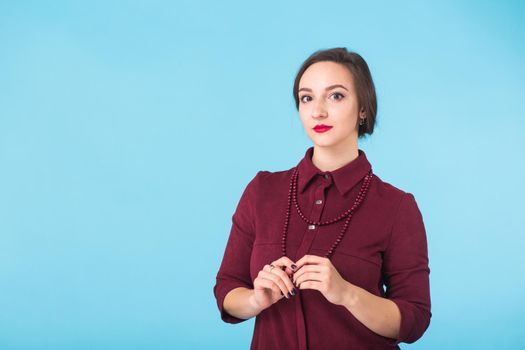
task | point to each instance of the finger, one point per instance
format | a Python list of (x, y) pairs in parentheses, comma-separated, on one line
[(286, 263), (304, 269), (310, 259), (312, 285), (268, 267), (286, 279), (266, 284), (309, 276), (273, 268), (275, 279)]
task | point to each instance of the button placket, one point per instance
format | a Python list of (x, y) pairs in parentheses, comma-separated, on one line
[(318, 203), (317, 193), (315, 214)]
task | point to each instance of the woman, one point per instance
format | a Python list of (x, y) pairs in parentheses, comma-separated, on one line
[(326, 255)]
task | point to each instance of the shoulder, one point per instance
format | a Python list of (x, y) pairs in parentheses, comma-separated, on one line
[(395, 196), (266, 175), (273, 178), (386, 189), (264, 181)]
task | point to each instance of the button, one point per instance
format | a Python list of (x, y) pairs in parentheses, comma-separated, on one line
[(311, 227), (326, 176), (319, 201)]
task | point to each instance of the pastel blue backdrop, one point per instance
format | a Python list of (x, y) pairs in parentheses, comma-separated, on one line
[(129, 129)]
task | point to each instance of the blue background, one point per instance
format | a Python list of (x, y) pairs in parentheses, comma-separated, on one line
[(128, 131)]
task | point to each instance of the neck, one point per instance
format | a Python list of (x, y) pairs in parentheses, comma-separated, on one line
[(333, 158)]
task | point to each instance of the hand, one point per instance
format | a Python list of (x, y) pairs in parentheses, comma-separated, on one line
[(315, 272), (270, 287)]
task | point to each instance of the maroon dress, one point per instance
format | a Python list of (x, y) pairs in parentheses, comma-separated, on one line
[(384, 251)]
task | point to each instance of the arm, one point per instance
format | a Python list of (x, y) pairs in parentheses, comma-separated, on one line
[(240, 303), (406, 272), (233, 277), (380, 315), (404, 314)]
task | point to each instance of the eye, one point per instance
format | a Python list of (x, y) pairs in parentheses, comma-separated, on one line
[(337, 96), (303, 98)]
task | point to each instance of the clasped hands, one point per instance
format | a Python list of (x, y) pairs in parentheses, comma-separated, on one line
[(278, 280)]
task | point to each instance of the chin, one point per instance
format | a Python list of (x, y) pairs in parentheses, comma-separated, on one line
[(327, 140), (324, 143)]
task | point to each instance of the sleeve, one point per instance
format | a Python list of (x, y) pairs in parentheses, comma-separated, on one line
[(406, 271), (234, 271)]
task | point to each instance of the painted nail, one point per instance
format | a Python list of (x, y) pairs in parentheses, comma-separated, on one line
[(289, 295), (293, 291), (294, 266)]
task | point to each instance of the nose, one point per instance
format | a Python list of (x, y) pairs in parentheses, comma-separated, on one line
[(319, 109)]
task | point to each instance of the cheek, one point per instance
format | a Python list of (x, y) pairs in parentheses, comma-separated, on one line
[(303, 117), (345, 118)]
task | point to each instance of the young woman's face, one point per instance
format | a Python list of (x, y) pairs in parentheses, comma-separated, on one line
[(327, 96)]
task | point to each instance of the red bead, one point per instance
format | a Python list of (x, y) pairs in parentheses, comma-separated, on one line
[(293, 197)]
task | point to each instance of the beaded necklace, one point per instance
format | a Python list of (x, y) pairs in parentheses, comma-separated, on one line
[(292, 197)]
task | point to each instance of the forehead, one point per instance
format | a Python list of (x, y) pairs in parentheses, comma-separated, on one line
[(322, 74)]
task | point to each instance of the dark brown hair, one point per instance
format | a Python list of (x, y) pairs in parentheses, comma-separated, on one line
[(363, 83)]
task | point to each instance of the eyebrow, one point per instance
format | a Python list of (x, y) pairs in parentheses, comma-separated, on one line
[(326, 89)]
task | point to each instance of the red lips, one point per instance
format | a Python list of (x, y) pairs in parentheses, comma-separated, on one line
[(322, 128)]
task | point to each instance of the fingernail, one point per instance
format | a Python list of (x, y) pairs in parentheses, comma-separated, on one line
[(294, 266), (289, 295), (293, 291)]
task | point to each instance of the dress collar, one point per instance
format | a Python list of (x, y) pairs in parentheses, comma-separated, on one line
[(344, 177)]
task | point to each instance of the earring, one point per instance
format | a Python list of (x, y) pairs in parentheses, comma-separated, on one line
[(362, 121)]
